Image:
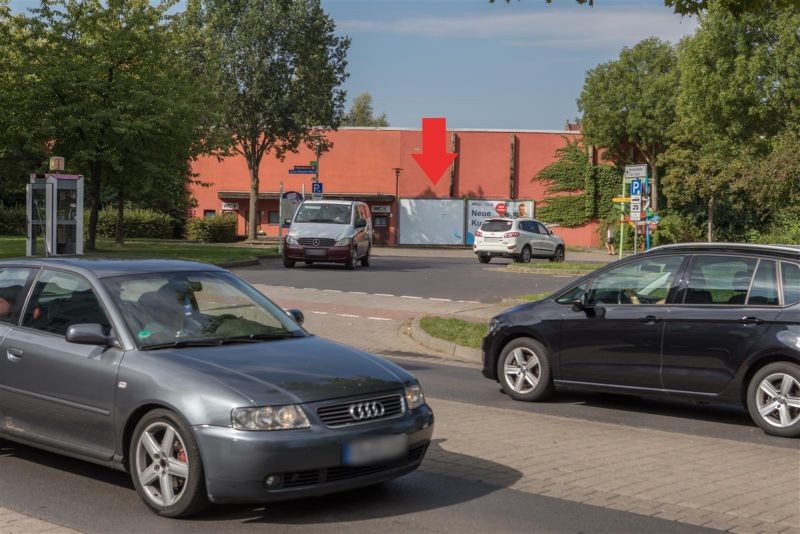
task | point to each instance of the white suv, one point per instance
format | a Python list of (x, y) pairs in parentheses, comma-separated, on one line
[(521, 239)]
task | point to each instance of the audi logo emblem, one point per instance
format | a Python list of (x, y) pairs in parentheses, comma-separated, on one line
[(316, 242), (366, 410)]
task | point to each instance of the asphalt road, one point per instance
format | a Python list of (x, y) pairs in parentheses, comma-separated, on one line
[(452, 278)]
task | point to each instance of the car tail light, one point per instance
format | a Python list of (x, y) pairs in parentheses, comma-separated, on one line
[(511, 234), (478, 233)]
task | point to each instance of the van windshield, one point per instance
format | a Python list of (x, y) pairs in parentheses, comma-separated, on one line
[(323, 213)]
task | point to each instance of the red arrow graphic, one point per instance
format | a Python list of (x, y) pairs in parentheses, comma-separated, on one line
[(434, 158)]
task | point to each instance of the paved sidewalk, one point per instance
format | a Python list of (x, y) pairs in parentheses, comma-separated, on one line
[(12, 522), (728, 485)]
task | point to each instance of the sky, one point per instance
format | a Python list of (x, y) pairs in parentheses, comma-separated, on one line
[(517, 65)]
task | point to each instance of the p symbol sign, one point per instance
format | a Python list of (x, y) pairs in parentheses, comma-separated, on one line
[(636, 188)]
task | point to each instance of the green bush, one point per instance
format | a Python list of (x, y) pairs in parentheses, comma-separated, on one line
[(13, 221), (137, 223), (678, 228), (216, 229), (785, 230)]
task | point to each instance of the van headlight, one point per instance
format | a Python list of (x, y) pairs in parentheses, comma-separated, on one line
[(414, 396), (269, 418), (290, 240), (345, 241)]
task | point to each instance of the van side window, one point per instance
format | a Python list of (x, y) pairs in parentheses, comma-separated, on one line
[(764, 291), (791, 283), (719, 280)]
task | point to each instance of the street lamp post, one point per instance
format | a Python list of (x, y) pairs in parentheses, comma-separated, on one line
[(396, 204)]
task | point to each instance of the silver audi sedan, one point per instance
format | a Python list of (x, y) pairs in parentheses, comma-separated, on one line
[(196, 384)]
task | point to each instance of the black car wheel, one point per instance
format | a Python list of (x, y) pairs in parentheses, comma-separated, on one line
[(525, 256), (366, 258), (288, 263), (558, 255), (773, 399), (484, 258), (352, 261), (524, 370), (166, 467)]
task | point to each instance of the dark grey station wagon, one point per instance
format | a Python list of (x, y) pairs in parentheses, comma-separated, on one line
[(197, 384)]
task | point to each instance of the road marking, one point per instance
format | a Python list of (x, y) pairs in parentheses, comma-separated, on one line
[(469, 301), (382, 295), (409, 297), (320, 313), (357, 292), (309, 288), (379, 318), (440, 300), (347, 315), (332, 290)]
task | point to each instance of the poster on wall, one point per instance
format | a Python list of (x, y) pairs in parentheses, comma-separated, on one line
[(480, 210), (290, 201), (431, 222)]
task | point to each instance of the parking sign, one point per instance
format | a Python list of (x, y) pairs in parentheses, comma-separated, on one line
[(636, 188), (316, 190)]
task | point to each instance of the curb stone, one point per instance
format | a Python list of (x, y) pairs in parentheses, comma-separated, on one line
[(244, 263), (450, 349)]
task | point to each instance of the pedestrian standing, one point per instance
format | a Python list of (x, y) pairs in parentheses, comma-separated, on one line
[(610, 240)]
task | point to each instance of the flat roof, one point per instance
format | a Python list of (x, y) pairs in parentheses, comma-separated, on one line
[(486, 130)]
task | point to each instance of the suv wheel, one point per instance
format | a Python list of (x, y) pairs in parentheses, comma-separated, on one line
[(558, 255), (773, 399), (524, 370), (352, 262), (288, 263), (365, 259), (525, 256), (166, 467), (484, 258)]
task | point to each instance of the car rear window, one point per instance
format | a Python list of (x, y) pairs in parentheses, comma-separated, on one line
[(720, 280), (496, 225), (791, 283)]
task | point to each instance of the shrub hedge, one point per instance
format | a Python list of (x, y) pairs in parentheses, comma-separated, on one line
[(13, 221), (216, 229), (138, 222)]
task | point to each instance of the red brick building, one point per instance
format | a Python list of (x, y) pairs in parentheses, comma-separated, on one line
[(491, 164)]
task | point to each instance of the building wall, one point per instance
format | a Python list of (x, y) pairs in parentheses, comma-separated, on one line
[(362, 160)]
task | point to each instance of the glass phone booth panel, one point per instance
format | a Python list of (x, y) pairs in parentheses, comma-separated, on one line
[(55, 215)]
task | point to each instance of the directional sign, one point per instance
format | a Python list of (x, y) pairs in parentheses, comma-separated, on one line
[(635, 171), (636, 188), (621, 199), (313, 164), (303, 170), (316, 190)]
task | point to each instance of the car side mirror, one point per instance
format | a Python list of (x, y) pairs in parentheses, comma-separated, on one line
[(287, 222), (360, 224), (88, 334), (578, 305), (297, 315)]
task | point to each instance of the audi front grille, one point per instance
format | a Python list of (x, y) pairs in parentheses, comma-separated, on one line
[(362, 411), (317, 241)]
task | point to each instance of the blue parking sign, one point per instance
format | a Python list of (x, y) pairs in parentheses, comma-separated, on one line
[(636, 188), (316, 188)]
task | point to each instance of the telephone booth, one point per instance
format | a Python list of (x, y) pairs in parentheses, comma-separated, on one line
[(54, 205)]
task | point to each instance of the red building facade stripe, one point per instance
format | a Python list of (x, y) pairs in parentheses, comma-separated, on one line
[(491, 164)]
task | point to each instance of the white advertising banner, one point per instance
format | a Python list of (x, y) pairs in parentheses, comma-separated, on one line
[(426, 221), (480, 210)]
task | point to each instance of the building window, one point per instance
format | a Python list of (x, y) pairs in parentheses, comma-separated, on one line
[(274, 217), (209, 213), (381, 220)]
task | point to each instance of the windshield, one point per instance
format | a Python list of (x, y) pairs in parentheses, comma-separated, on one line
[(323, 213), (496, 225), (197, 307)]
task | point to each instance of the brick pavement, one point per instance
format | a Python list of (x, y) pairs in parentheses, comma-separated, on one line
[(729, 485)]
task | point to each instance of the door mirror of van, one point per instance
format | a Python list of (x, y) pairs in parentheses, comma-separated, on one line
[(360, 224), (287, 222)]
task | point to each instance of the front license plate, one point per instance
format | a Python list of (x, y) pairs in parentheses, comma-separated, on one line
[(374, 450), (315, 252)]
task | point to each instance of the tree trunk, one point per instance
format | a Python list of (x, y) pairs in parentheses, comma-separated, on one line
[(654, 188), (253, 167), (120, 235), (95, 171), (711, 219)]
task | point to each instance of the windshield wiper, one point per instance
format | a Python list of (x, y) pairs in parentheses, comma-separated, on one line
[(255, 338), (251, 338), (183, 343)]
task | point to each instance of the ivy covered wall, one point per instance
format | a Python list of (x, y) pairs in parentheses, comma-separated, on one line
[(577, 191)]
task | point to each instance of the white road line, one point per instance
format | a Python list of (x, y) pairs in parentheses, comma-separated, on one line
[(382, 295), (356, 292), (332, 290), (409, 297), (347, 315), (310, 288), (379, 318), (440, 300), (469, 301), (319, 312)]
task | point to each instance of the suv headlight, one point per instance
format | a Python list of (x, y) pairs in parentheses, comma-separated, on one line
[(344, 242), (414, 396), (269, 418), (290, 240)]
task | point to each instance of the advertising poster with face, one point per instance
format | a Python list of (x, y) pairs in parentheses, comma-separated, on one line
[(480, 210)]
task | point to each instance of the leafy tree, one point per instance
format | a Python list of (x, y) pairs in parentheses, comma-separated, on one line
[(117, 100), (695, 7), (361, 113), (278, 67), (738, 112), (629, 103)]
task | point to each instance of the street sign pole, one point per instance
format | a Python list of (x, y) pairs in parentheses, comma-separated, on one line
[(280, 220), (622, 225)]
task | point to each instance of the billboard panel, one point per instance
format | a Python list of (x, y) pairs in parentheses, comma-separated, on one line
[(431, 222), (480, 210)]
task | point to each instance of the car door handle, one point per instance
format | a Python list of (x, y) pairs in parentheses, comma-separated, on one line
[(651, 319), (751, 320), (14, 355)]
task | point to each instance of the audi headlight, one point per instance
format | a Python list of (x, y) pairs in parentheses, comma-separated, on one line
[(269, 418), (414, 396), (344, 242), (290, 240)]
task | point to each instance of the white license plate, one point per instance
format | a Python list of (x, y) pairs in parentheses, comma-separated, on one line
[(315, 252), (374, 450), (492, 239)]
